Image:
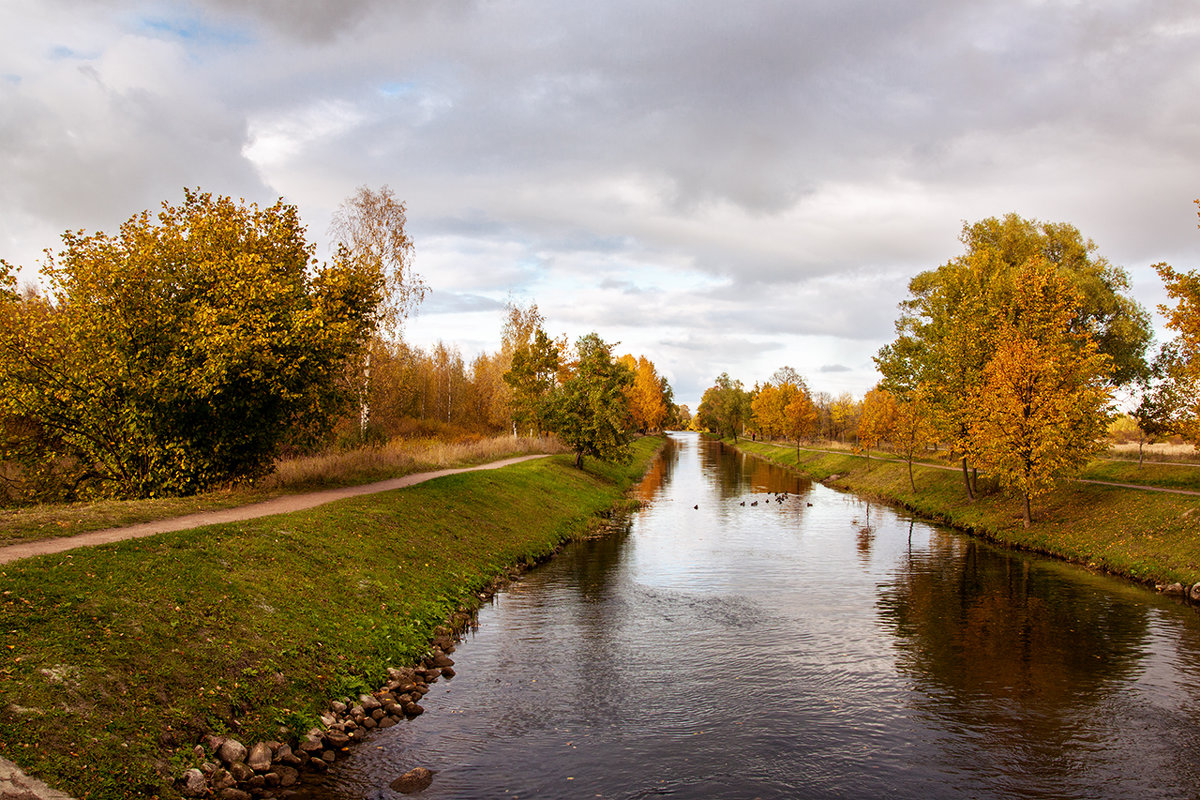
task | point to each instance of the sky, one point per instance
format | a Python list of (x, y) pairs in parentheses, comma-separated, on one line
[(721, 187)]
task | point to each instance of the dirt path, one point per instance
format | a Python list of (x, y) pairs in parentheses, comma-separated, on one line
[(279, 505)]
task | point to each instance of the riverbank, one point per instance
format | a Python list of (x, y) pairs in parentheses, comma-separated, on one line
[(119, 659), (1148, 537)]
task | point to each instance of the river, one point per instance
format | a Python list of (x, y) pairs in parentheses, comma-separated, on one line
[(730, 642)]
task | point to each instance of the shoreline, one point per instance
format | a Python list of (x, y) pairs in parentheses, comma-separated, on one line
[(1136, 533)]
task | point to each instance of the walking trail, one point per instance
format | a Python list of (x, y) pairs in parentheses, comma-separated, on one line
[(278, 505)]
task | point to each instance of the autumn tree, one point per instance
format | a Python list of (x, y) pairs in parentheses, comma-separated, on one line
[(1178, 394), (647, 404), (800, 418), (914, 428), (589, 412), (181, 352), (1046, 394), (369, 234), (877, 420), (946, 330)]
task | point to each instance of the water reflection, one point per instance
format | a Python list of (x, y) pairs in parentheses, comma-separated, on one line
[(729, 643)]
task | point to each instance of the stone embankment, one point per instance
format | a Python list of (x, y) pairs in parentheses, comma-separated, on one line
[(1191, 592), (232, 771)]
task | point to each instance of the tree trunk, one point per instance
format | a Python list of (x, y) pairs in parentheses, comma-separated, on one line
[(1141, 444), (967, 480), (364, 399), (974, 481), (911, 482), (579, 460), (1028, 513)]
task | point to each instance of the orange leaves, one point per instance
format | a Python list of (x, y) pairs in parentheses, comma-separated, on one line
[(1045, 398)]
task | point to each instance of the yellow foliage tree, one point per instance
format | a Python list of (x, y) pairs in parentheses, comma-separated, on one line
[(1180, 396), (646, 404), (1045, 399), (801, 418), (914, 429), (877, 420)]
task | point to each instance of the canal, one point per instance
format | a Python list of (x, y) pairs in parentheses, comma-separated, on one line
[(748, 634)]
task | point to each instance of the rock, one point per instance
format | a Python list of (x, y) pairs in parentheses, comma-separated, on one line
[(284, 754), (413, 710), (231, 751), (336, 740), (338, 707), (1173, 588), (443, 661), (240, 771), (328, 756), (257, 782), (378, 714), (387, 722), (368, 702), (199, 752), (318, 765), (192, 784), (1196, 592), (234, 794), (311, 746), (369, 723), (448, 672), (221, 779), (287, 776), (415, 780), (259, 757)]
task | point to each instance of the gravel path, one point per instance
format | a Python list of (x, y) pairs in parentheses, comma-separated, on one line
[(279, 505)]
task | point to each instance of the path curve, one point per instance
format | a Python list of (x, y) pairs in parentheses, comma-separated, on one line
[(278, 505)]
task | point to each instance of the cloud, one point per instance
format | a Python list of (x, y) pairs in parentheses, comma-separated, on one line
[(729, 185)]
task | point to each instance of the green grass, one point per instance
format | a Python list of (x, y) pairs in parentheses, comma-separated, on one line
[(117, 659), (363, 465), (1146, 536)]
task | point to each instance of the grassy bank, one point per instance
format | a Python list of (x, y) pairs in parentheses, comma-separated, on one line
[(118, 658), (1146, 536), (344, 468)]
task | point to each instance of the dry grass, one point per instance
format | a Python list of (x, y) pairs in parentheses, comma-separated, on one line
[(1162, 451), (398, 457)]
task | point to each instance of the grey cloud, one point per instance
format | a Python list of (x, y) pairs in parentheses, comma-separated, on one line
[(834, 368), (458, 302)]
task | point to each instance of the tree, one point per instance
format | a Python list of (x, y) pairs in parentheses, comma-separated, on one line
[(724, 407), (589, 411), (368, 229), (1178, 395), (180, 353), (1046, 395), (532, 379), (800, 417), (914, 429), (647, 404), (877, 420), (945, 334)]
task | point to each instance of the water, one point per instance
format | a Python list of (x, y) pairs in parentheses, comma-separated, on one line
[(820, 647)]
